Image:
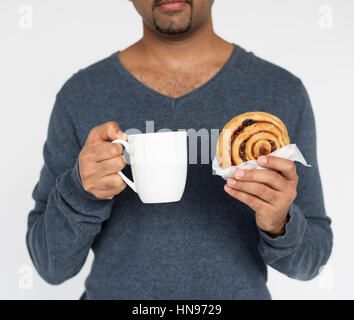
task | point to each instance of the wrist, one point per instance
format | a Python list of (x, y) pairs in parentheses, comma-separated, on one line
[(279, 228)]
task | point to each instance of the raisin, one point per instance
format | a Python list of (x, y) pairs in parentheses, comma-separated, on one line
[(272, 143), (248, 122), (239, 129), (263, 151), (242, 151)]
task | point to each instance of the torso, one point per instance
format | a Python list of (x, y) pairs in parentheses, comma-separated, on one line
[(156, 251)]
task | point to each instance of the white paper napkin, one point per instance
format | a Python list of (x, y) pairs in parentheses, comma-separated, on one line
[(290, 152)]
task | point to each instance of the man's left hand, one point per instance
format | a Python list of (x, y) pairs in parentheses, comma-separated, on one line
[(269, 193)]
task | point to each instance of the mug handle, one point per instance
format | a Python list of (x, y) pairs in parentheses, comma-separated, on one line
[(130, 183)]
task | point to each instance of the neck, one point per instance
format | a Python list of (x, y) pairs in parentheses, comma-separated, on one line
[(199, 43)]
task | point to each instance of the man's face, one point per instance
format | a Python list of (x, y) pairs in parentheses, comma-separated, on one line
[(173, 16)]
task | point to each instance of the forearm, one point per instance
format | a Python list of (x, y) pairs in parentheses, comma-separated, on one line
[(61, 231), (303, 249), (307, 243)]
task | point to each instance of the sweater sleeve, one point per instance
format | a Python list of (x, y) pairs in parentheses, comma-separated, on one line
[(65, 219), (307, 243)]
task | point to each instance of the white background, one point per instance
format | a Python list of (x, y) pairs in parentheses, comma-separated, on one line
[(68, 35)]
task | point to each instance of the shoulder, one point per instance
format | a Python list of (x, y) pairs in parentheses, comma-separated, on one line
[(86, 89), (273, 89), (269, 76), (91, 80)]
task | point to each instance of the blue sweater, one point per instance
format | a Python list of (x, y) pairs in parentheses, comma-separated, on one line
[(207, 246)]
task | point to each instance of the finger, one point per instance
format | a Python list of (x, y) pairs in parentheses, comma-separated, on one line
[(286, 167), (105, 132), (108, 167), (110, 183), (268, 177), (253, 202), (104, 151), (102, 194), (260, 190)]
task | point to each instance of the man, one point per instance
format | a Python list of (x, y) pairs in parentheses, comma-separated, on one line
[(216, 242)]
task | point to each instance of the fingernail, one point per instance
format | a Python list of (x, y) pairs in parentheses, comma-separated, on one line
[(262, 160), (227, 188), (231, 182), (239, 173)]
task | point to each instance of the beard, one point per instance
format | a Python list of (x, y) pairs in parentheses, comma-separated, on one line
[(170, 26)]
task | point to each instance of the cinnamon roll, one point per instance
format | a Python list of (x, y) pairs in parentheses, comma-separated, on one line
[(249, 136)]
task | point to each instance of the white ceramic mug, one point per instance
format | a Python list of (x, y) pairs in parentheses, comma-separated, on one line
[(159, 165)]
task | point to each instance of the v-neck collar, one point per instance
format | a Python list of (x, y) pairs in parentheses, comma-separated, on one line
[(134, 81)]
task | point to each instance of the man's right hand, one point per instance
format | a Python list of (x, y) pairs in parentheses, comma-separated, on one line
[(100, 161)]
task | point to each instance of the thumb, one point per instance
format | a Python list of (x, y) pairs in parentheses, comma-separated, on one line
[(105, 132)]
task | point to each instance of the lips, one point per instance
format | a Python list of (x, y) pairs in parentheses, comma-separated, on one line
[(170, 1), (172, 5)]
